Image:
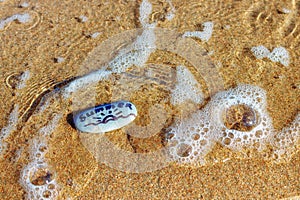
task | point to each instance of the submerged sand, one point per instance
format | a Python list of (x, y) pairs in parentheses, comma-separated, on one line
[(56, 31)]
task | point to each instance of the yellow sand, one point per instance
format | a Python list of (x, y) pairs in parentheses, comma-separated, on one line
[(238, 25)]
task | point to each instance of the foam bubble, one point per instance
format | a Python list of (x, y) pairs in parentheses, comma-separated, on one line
[(187, 88), (240, 117), (204, 35)]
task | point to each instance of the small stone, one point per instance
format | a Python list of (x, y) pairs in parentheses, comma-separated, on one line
[(94, 35), (59, 59), (82, 18), (41, 176), (24, 5), (105, 117), (240, 117)]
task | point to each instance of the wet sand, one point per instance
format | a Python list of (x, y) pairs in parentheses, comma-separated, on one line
[(56, 31)]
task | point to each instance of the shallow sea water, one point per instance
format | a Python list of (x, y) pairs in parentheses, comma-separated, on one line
[(50, 70)]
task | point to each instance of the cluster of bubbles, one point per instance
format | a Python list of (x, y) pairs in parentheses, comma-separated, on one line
[(37, 178), (279, 54), (236, 119), (286, 141)]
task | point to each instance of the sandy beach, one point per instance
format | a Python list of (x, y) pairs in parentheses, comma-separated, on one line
[(47, 45)]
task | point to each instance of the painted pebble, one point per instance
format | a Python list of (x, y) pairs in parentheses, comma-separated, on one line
[(105, 117)]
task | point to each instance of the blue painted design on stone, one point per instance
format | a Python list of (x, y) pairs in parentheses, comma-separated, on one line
[(129, 106), (105, 117), (120, 105)]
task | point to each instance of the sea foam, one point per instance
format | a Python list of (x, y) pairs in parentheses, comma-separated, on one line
[(287, 141), (204, 35), (11, 126), (279, 54), (38, 178), (22, 18), (191, 138), (186, 88)]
